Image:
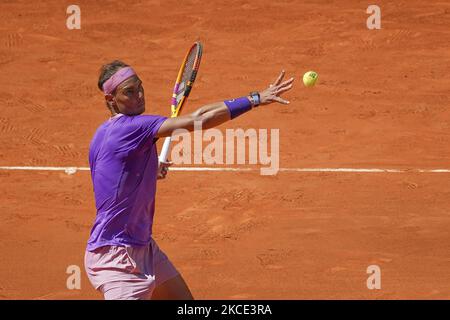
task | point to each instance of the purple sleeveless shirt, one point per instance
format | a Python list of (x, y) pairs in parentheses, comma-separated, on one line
[(124, 163)]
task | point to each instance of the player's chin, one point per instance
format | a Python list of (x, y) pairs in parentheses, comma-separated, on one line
[(140, 108)]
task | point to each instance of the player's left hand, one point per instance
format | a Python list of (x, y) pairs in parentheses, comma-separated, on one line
[(163, 168)]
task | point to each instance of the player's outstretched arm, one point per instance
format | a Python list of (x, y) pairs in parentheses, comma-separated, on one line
[(214, 114)]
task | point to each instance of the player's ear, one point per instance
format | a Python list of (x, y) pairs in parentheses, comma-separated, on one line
[(110, 101)]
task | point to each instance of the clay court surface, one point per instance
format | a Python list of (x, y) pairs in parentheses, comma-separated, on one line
[(382, 101)]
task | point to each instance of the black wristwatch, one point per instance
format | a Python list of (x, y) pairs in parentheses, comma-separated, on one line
[(255, 98)]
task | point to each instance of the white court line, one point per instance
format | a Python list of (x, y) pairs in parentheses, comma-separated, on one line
[(350, 170)]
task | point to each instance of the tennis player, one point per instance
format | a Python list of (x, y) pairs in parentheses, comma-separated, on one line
[(122, 260)]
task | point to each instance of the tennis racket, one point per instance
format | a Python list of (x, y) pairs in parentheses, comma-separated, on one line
[(182, 89)]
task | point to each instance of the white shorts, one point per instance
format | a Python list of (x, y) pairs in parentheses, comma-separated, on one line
[(128, 273)]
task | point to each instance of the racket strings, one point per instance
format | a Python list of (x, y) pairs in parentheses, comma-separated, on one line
[(189, 68), (187, 75)]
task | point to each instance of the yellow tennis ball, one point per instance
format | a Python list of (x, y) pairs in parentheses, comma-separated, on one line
[(310, 78)]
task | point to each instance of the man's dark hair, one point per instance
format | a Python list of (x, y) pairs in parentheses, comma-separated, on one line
[(107, 70)]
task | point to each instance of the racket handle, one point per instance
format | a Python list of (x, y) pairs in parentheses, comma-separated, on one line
[(165, 149)]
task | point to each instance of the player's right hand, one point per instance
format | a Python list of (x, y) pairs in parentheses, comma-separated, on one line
[(272, 93)]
